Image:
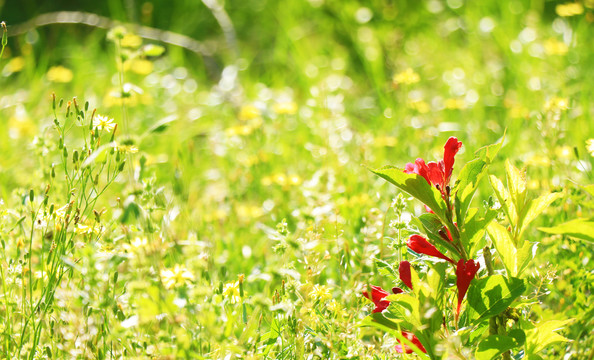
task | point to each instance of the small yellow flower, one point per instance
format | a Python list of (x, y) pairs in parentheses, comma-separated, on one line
[(556, 104), (569, 9), (131, 41), (59, 74), (590, 146), (15, 64), (139, 66), (82, 229), (103, 122), (320, 293), (407, 77), (420, 106), (555, 47), (231, 290), (178, 276), (128, 149), (242, 130), (288, 108), (454, 104), (248, 112), (335, 308)]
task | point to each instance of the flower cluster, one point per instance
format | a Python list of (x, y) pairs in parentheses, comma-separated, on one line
[(436, 174), (378, 296)]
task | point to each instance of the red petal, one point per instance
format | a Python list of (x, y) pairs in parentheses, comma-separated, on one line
[(405, 274), (419, 244), (450, 150)]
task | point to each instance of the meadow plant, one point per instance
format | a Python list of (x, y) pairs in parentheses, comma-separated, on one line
[(80, 159), (471, 299)]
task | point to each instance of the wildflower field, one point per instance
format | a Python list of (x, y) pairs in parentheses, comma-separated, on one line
[(314, 179)]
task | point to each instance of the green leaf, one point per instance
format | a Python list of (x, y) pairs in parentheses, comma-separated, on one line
[(582, 229), (470, 176), (492, 295), (516, 183), (488, 153), (535, 208), (494, 345), (161, 125), (504, 199), (416, 186), (474, 229), (515, 260), (386, 269), (378, 321), (437, 280), (405, 307), (431, 225), (544, 335), (251, 326)]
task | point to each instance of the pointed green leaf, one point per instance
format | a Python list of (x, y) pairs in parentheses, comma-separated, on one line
[(405, 307), (386, 269), (470, 176), (544, 335), (492, 295), (578, 228), (432, 225), (416, 186), (493, 346), (535, 208), (474, 229), (504, 199), (505, 247), (516, 183)]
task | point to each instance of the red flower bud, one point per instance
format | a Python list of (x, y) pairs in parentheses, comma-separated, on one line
[(465, 272), (404, 272), (403, 348), (377, 296), (420, 245)]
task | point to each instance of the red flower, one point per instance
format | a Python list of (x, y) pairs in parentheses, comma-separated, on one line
[(404, 271), (377, 296), (437, 173), (405, 348), (465, 272), (419, 167), (420, 245)]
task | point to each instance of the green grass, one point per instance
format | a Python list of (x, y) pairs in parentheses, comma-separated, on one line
[(278, 196)]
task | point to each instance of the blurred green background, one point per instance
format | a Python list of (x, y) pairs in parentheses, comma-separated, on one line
[(277, 126)]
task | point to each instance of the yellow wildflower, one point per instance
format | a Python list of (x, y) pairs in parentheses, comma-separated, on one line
[(590, 146), (453, 104), (335, 308), (15, 64), (555, 47), (139, 66), (285, 108), (569, 9), (82, 229), (320, 293), (131, 41), (178, 276), (231, 290), (407, 77), (103, 122), (128, 149), (419, 105), (248, 112), (556, 104), (59, 74)]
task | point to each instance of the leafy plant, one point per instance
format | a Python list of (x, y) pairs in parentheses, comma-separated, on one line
[(495, 321)]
